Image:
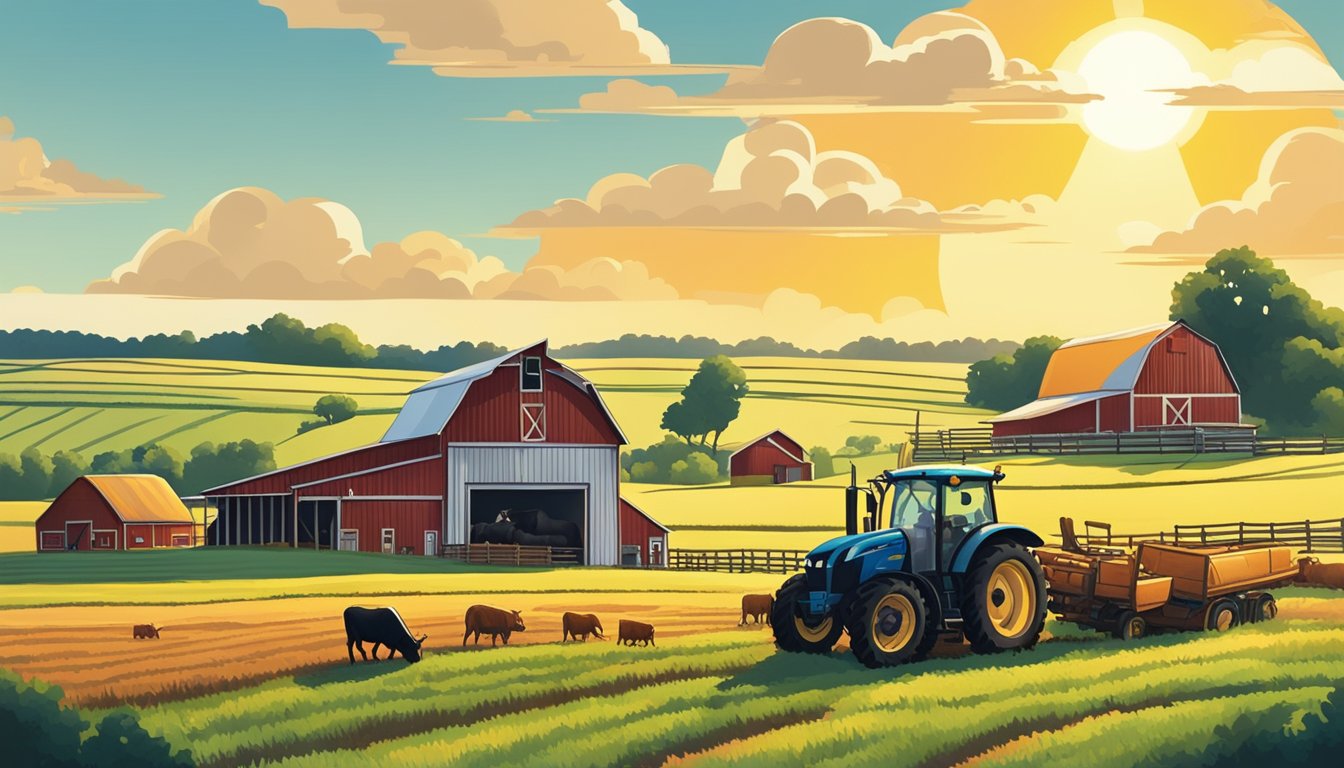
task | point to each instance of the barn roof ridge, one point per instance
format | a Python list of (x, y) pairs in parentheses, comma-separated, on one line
[(1127, 333), (767, 436)]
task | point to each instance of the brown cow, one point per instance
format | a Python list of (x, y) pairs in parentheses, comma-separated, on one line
[(495, 622), (144, 631), (580, 625), (1313, 572), (756, 606), (632, 631)]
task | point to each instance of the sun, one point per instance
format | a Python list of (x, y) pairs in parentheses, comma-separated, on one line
[(1130, 70)]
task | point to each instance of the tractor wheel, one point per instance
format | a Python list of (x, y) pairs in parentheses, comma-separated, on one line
[(795, 634), (1265, 608), (1130, 626), (888, 623), (1003, 599), (1223, 615)]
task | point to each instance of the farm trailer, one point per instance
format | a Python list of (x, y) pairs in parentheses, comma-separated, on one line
[(1168, 586)]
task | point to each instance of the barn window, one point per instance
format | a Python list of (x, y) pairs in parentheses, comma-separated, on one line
[(531, 374), (1177, 345), (534, 422)]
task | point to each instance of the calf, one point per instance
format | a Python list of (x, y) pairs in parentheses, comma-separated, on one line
[(756, 606), (632, 631), (1315, 573), (580, 625), (380, 626), (145, 631), (495, 622)]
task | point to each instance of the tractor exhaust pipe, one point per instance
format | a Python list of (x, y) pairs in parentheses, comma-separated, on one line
[(852, 502)]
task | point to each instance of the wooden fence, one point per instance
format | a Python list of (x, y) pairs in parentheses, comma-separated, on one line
[(1307, 535), (512, 554), (1301, 446), (960, 445), (737, 560)]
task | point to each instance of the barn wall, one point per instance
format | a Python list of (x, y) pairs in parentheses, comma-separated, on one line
[(154, 535), (1079, 418), (1115, 414), (340, 464), (80, 501), (1203, 410), (1183, 363), (491, 411), (636, 529), (760, 459), (410, 519), (595, 467), (423, 478)]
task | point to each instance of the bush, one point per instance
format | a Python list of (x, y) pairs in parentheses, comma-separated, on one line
[(659, 463), (335, 408), (1004, 382), (862, 445), (120, 740), (822, 463), (696, 469)]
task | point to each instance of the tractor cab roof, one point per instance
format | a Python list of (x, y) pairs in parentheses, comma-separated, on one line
[(942, 472)]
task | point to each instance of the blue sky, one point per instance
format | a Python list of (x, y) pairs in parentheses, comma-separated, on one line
[(190, 99)]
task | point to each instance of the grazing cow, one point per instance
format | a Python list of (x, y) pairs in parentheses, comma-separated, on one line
[(145, 631), (580, 625), (536, 540), (380, 626), (495, 622), (1313, 572), (757, 607), (635, 631)]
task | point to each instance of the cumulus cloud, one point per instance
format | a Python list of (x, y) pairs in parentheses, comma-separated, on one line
[(770, 177), (249, 243), (28, 176), (835, 64), (1286, 76), (498, 38), (1295, 206), (512, 116)]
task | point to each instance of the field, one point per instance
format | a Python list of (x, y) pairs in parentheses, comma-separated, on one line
[(261, 677), (99, 405)]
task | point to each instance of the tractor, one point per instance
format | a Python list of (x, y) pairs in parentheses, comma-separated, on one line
[(931, 561)]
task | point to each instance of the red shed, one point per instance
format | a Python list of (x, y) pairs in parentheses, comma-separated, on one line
[(115, 512), (508, 437), (1161, 376), (643, 539), (771, 459)]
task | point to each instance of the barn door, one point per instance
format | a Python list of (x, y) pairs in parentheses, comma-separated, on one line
[(1176, 411), (781, 475), (431, 543)]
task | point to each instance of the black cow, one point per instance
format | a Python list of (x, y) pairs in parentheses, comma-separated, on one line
[(380, 626)]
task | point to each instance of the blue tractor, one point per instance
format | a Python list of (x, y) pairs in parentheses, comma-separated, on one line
[(932, 560)]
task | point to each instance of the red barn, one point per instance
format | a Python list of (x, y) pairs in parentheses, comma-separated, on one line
[(1161, 376), (517, 433), (771, 459), (643, 539), (115, 512)]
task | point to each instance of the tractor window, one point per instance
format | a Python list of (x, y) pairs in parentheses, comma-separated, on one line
[(971, 500), (914, 504)]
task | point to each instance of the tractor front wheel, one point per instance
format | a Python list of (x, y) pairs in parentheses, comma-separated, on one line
[(1003, 599), (888, 624), (794, 630)]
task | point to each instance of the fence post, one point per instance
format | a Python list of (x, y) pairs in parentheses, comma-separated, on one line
[(1308, 535)]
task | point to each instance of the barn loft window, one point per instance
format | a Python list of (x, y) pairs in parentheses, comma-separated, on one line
[(534, 422), (1177, 345), (531, 374)]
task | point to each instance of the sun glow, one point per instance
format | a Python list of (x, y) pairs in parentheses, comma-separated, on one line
[(1130, 70)]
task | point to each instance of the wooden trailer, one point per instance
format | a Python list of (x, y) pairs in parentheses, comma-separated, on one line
[(1164, 586)]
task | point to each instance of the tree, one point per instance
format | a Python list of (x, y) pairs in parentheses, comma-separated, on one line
[(335, 408), (681, 421), (1004, 382), (822, 463), (36, 470), (212, 465), (65, 467), (1329, 405), (709, 402), (862, 444)]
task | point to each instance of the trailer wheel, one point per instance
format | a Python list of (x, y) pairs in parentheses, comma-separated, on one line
[(1003, 599), (1223, 615), (1130, 626), (1264, 609), (888, 624), (793, 632)]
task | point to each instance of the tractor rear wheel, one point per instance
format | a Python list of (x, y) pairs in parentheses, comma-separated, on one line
[(794, 632), (1223, 615), (888, 624), (1003, 599)]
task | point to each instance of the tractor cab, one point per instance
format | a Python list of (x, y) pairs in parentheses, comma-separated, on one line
[(936, 507)]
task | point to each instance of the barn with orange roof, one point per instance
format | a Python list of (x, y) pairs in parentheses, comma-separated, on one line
[(1158, 377), (115, 512)]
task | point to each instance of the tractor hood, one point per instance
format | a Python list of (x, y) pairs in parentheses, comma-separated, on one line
[(849, 547)]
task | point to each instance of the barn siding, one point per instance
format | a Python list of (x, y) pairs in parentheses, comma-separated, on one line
[(424, 478), (80, 501), (761, 458), (491, 411), (357, 460), (1079, 418), (1196, 369), (1115, 413), (410, 520), (636, 529), (1203, 410), (596, 467)]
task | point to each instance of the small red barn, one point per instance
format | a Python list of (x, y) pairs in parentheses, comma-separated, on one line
[(643, 539), (115, 512), (1161, 376), (771, 459)]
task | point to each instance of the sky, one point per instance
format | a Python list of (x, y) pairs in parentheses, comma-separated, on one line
[(188, 100)]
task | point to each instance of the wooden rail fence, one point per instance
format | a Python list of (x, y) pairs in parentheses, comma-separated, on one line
[(737, 560), (963, 444), (1307, 535), (512, 554)]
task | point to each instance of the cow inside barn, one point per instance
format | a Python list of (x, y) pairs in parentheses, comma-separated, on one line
[(380, 626)]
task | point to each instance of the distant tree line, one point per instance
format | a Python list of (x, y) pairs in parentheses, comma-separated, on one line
[(32, 475), (284, 339)]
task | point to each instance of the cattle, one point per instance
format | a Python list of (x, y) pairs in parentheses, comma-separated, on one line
[(537, 523), (536, 540), (144, 631), (635, 631), (757, 607), (580, 625), (495, 622), (1313, 572), (380, 626), (493, 533)]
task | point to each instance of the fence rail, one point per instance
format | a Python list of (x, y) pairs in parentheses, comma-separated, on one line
[(1300, 446), (512, 554), (737, 560), (963, 444), (1308, 535)]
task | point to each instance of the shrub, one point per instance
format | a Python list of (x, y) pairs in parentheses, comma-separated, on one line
[(656, 463), (822, 463), (862, 445), (335, 408), (695, 469)]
